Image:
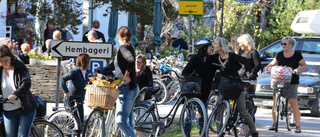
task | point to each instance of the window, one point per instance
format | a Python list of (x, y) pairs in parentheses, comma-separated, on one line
[(311, 47)]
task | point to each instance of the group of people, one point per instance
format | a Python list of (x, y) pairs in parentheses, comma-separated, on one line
[(16, 83), (245, 59)]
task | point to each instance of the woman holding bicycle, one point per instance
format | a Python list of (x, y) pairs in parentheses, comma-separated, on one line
[(290, 58), (77, 80), (15, 85), (231, 63), (124, 66), (202, 64), (143, 76)]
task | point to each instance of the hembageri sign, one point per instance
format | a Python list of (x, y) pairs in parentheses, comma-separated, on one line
[(72, 49), (191, 7)]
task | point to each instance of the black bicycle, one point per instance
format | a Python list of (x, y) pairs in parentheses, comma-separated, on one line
[(39, 128), (68, 120), (193, 117)]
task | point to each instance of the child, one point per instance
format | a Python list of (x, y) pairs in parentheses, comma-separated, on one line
[(25, 47)]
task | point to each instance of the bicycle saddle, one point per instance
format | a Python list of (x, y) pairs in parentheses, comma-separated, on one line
[(152, 90)]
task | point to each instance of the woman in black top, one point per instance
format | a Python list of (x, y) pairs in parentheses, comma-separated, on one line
[(124, 66), (289, 57), (231, 63), (143, 75), (253, 64), (203, 66)]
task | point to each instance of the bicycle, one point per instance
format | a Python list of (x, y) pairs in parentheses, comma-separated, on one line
[(173, 88), (193, 116), (283, 108), (68, 120), (40, 127), (101, 122), (225, 115)]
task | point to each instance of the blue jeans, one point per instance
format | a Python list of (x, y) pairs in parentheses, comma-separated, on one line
[(125, 104), (17, 124), (68, 105)]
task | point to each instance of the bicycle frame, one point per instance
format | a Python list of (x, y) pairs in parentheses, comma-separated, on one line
[(154, 107)]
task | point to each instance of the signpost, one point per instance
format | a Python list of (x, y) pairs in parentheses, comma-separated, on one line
[(72, 49), (191, 7)]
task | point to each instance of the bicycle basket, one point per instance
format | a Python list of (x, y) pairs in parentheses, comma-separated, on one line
[(230, 87), (281, 77), (101, 96), (190, 86)]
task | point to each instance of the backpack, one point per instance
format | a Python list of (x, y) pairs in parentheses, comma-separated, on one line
[(42, 109)]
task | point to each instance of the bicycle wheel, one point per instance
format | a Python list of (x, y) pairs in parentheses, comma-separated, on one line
[(43, 128), (218, 118), (278, 107), (111, 126), (212, 101), (92, 126), (241, 128), (289, 116), (162, 93), (193, 118), (66, 121), (173, 90), (250, 107), (143, 121)]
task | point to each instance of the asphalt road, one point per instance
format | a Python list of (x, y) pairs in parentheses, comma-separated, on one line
[(310, 126)]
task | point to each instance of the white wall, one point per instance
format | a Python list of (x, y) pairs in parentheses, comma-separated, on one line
[(3, 13)]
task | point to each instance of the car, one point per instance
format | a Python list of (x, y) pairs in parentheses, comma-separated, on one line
[(308, 90), (305, 45)]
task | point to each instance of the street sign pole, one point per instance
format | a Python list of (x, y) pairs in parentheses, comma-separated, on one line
[(190, 30), (58, 82)]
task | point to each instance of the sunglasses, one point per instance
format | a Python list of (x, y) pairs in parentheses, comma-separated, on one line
[(285, 44)]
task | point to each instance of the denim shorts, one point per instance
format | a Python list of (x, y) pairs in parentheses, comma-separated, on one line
[(292, 92)]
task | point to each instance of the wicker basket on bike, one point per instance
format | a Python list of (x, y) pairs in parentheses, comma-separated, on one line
[(281, 77), (102, 92), (190, 85)]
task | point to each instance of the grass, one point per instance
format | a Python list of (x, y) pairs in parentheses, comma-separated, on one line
[(174, 131)]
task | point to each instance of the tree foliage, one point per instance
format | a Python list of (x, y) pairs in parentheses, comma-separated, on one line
[(242, 18)]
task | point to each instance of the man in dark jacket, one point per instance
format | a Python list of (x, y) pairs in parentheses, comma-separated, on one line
[(95, 26)]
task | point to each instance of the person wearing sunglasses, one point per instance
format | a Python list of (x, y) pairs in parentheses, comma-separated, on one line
[(290, 58), (143, 76)]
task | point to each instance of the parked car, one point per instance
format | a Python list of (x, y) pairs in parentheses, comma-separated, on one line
[(308, 90), (305, 45)]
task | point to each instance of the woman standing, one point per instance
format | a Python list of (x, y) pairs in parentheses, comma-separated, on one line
[(15, 85), (235, 45), (231, 63), (143, 76), (202, 64), (77, 80), (124, 66), (253, 64), (293, 59)]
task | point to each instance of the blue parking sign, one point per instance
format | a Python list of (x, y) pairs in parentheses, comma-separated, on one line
[(96, 63)]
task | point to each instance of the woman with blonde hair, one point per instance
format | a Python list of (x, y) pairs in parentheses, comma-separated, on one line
[(290, 58), (253, 65), (231, 63), (235, 45)]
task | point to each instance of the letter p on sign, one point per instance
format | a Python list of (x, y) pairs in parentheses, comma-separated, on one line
[(96, 63)]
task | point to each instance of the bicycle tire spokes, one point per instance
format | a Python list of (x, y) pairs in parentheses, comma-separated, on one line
[(193, 119)]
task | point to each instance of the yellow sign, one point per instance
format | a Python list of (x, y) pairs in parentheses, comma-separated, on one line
[(188, 7)]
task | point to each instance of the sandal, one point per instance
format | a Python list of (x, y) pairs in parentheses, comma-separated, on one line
[(273, 127), (297, 130)]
